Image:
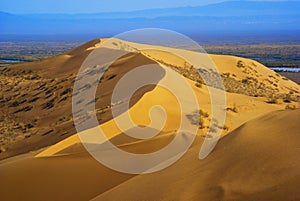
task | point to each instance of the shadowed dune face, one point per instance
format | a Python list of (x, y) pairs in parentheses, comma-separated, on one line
[(37, 96), (242, 167)]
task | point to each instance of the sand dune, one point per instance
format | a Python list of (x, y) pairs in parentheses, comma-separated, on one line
[(255, 160), (247, 107)]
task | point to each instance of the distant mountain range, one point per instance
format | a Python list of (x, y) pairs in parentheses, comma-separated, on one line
[(233, 16)]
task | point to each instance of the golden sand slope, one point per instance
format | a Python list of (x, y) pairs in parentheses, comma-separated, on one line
[(246, 108), (257, 161)]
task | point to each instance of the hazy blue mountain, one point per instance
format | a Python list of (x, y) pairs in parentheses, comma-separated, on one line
[(229, 8), (235, 16)]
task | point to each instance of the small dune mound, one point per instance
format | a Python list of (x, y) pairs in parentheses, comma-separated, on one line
[(239, 75)]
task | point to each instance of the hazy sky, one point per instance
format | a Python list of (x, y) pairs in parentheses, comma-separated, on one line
[(92, 6)]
